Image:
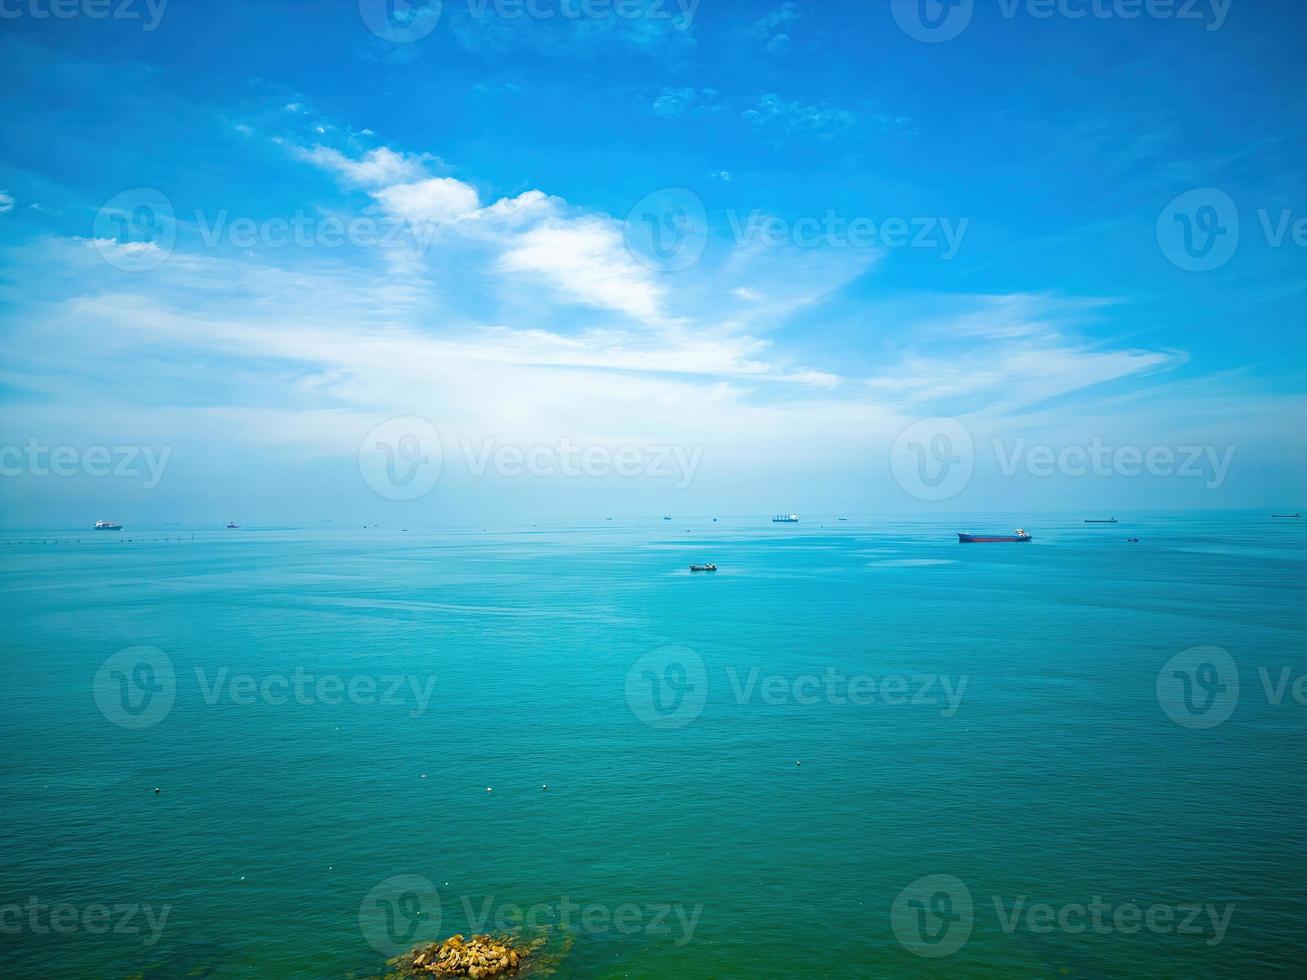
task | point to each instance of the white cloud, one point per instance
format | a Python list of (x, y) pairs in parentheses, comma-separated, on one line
[(586, 260), (376, 168), (438, 200)]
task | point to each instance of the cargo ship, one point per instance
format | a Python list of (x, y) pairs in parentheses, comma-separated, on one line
[(107, 526), (1286, 515), (1017, 535), (785, 519), (1110, 520)]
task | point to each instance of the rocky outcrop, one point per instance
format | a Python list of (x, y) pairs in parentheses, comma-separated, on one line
[(480, 956)]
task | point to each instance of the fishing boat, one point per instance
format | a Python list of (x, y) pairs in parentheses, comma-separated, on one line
[(707, 567), (1017, 535), (667, 517), (785, 519), (107, 526), (1091, 520), (232, 524)]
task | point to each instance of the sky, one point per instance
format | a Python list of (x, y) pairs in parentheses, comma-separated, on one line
[(491, 260)]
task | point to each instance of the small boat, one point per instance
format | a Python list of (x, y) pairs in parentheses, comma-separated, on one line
[(667, 517), (232, 524), (844, 518), (1132, 540), (1017, 535), (1286, 515), (785, 519), (107, 526), (708, 567), (1110, 520)]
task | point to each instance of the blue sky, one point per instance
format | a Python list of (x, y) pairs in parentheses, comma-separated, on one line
[(861, 229)]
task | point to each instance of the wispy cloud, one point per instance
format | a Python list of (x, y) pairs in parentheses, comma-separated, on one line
[(779, 117)]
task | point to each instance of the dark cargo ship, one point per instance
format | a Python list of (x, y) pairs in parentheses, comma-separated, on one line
[(1017, 535)]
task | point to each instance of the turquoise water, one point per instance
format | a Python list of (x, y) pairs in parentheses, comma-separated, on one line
[(284, 830)]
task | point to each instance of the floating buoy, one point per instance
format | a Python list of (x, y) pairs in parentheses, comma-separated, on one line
[(489, 790), (156, 791), (543, 786)]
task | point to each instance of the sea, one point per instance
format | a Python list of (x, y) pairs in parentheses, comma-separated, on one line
[(857, 749)]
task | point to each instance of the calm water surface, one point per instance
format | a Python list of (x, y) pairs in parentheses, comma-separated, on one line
[(327, 707)]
